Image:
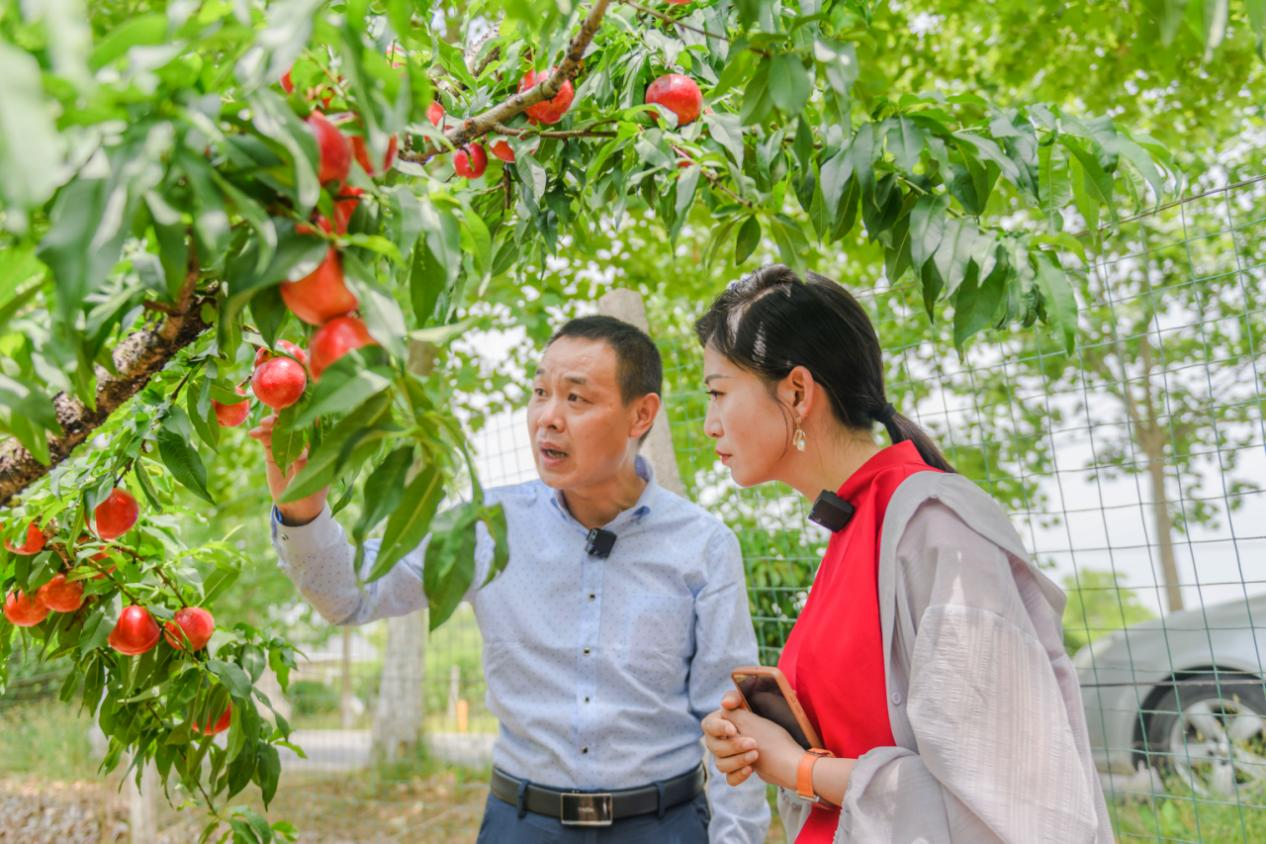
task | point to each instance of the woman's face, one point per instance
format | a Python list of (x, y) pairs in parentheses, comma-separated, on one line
[(752, 431)]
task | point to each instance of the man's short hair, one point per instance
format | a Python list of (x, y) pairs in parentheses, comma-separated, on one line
[(639, 369)]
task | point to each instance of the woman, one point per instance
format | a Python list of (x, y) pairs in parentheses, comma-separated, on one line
[(929, 655)]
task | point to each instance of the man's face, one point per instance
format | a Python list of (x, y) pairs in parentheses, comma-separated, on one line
[(581, 429)]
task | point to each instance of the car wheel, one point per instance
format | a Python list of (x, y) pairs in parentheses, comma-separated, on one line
[(1211, 736)]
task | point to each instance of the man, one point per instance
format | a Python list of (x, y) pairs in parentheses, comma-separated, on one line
[(599, 668)]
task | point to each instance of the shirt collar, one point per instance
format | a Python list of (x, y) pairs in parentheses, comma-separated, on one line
[(894, 455), (640, 509)]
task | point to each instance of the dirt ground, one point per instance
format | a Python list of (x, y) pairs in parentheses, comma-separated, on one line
[(441, 807)]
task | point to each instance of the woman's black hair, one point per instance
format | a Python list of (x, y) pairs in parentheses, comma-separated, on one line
[(772, 321)]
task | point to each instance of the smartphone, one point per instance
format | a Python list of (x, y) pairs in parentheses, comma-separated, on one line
[(766, 692)]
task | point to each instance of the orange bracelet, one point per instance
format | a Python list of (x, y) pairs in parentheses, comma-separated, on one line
[(804, 773)]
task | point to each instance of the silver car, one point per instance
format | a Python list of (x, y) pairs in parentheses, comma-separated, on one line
[(1182, 695)]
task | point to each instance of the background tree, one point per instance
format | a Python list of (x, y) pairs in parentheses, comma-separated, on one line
[(170, 202)]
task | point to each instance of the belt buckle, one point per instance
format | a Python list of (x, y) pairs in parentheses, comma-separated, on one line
[(580, 808)]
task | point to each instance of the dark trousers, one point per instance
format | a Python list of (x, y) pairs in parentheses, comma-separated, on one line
[(685, 823)]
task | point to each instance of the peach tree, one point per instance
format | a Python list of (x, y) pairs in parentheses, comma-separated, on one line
[(215, 211)]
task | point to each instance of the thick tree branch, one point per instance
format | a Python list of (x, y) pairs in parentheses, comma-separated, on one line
[(481, 124), (136, 360)]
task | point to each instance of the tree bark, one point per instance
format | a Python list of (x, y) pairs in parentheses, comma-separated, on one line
[(136, 360), (1153, 444)]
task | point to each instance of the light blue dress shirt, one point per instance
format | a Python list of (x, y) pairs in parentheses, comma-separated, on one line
[(599, 671)]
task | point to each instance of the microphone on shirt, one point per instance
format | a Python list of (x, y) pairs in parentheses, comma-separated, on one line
[(831, 511), (599, 543)]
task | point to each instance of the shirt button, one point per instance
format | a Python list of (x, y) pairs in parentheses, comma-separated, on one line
[(285, 536), (896, 698), (586, 651), (586, 698), (584, 750), (592, 596)]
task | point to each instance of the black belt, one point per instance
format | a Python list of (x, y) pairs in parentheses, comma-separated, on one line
[(597, 808)]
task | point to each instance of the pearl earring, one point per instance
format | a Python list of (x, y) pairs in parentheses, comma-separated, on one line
[(798, 438)]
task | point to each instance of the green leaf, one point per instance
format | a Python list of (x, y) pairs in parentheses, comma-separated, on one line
[(494, 518), (84, 241), (1094, 189), (409, 523), (201, 412), (217, 583), (905, 141), (757, 100), (1142, 162), (29, 416), (1171, 15), (962, 242), (320, 468), (727, 130), (980, 305), (144, 30), (1257, 17), (242, 768), (687, 183), (1055, 190), (342, 388), (836, 172), (233, 678), (449, 569), (1058, 301), (267, 772), (789, 83), (180, 458), (378, 308), (288, 438), (274, 119), (31, 148), (927, 226), (388, 482), (748, 238), (210, 220), (988, 150)]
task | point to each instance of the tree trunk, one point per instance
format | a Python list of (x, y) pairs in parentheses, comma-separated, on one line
[(399, 716), (136, 360), (1153, 443), (627, 305), (345, 707), (142, 806)]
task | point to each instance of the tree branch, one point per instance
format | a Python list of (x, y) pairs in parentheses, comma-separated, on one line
[(136, 360), (673, 21), (481, 124), (502, 129)]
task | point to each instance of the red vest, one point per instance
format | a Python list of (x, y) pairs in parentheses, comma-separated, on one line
[(834, 655)]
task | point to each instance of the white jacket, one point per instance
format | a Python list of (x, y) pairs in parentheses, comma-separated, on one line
[(984, 704)]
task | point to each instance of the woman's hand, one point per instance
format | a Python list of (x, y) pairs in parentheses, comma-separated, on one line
[(778, 754), (745, 743), (734, 754)]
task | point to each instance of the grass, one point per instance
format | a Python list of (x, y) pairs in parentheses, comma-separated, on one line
[(47, 742), (1180, 816), (46, 738)]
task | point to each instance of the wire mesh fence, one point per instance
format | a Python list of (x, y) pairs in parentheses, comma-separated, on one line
[(1130, 468)]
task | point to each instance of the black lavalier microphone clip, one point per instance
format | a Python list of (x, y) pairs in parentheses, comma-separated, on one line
[(599, 543), (831, 511)]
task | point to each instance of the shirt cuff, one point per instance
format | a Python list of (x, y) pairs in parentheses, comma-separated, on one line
[(320, 534)]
